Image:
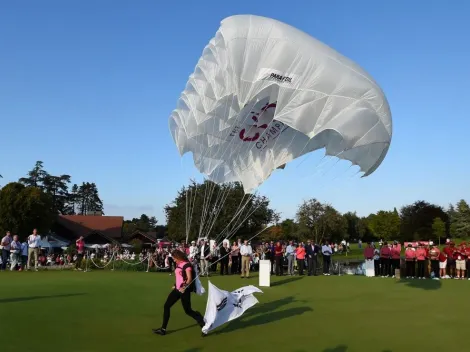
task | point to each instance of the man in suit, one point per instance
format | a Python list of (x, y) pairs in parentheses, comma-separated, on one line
[(311, 249), (224, 259)]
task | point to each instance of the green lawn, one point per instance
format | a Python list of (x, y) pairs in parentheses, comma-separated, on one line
[(115, 311)]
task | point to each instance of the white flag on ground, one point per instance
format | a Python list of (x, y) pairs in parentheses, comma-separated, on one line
[(223, 306), (199, 288)]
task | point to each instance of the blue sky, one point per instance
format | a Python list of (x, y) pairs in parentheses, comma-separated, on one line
[(87, 87)]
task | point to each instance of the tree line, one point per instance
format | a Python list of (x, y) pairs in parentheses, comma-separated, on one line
[(418, 221), (35, 200), (228, 210)]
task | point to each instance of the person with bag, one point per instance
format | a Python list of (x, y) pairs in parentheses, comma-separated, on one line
[(184, 286)]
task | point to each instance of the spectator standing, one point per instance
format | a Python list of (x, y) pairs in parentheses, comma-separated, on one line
[(34, 242), (80, 243), (460, 263), (6, 245), (278, 257), (24, 254), (434, 253), (410, 259), (235, 255), (385, 254), (193, 251), (246, 251), (395, 257), (205, 253), (326, 252), (449, 251), (300, 254), (224, 258), (311, 251), (290, 254), (15, 250), (376, 260), (421, 258)]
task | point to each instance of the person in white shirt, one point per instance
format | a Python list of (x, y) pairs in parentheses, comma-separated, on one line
[(33, 248), (204, 254), (6, 245), (193, 251), (245, 252), (327, 252), (15, 253), (290, 255)]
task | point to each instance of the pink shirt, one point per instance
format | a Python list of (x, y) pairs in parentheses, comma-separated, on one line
[(369, 252), (421, 254), (179, 275), (396, 253), (80, 245), (300, 251), (410, 254)]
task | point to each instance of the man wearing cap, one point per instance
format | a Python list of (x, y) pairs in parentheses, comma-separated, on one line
[(421, 258)]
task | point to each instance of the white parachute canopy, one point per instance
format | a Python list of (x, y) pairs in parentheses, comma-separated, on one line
[(264, 93), (223, 306)]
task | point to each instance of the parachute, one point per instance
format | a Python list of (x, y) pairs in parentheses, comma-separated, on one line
[(264, 93)]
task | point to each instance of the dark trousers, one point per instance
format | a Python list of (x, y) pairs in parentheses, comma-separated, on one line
[(279, 266), (5, 255), (78, 263), (185, 297), (395, 265), (435, 268), (326, 264), (420, 268), (272, 265), (234, 268), (300, 266), (312, 265), (224, 267), (239, 269), (385, 266), (377, 267), (410, 268)]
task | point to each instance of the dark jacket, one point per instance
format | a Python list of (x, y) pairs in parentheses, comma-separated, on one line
[(224, 254), (312, 251), (207, 251)]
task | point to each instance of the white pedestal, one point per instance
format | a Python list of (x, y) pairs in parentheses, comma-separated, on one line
[(265, 273)]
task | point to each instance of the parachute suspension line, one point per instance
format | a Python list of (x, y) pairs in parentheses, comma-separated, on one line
[(218, 206), (192, 203)]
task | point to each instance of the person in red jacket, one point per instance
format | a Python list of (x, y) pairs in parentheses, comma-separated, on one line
[(442, 264), (421, 258), (396, 255), (410, 258), (385, 254), (449, 251), (467, 255)]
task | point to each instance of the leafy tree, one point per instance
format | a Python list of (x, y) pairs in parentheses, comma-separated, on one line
[(385, 224), (24, 208), (461, 220), (212, 210), (144, 224), (438, 229), (417, 220), (35, 176), (72, 202), (88, 199), (57, 188), (321, 220)]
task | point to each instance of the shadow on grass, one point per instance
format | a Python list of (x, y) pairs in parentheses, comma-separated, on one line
[(33, 298), (265, 314), (286, 281), (422, 284), (194, 349)]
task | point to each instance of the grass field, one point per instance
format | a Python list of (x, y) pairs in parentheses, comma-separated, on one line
[(115, 311)]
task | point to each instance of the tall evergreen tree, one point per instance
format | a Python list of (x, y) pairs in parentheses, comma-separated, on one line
[(88, 199)]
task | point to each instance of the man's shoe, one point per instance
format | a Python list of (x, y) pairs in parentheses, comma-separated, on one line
[(159, 331)]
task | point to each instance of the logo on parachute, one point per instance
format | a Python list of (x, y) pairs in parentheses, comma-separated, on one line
[(264, 128)]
